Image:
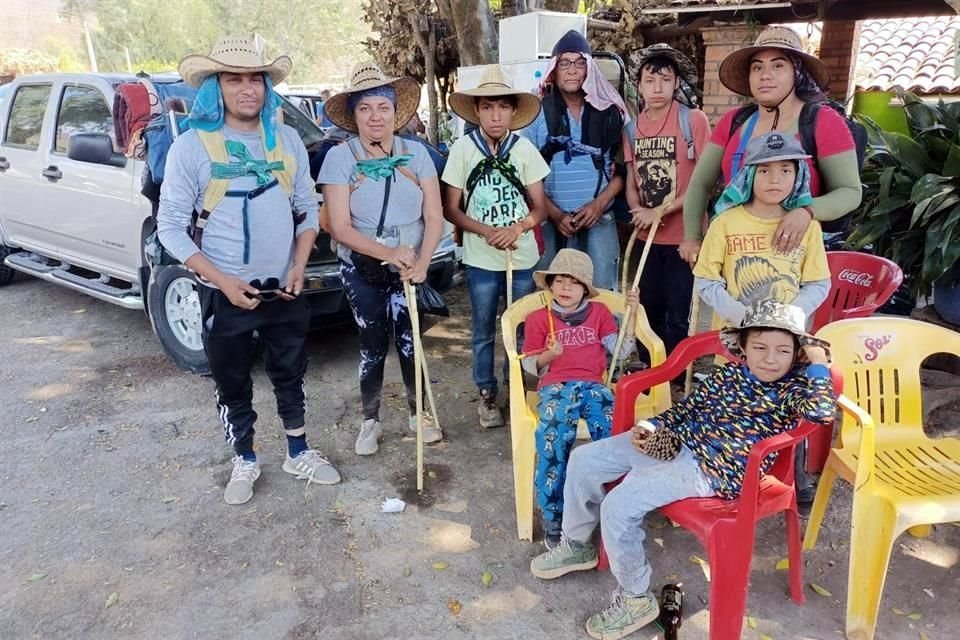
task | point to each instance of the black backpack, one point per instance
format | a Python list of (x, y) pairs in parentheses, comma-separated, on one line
[(807, 125)]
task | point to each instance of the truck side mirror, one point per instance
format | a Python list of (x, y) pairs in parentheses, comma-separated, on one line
[(96, 148)]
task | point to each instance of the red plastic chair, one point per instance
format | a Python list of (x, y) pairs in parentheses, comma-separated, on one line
[(859, 285), (726, 527)]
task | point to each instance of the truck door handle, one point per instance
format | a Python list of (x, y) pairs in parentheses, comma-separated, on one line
[(4, 164), (52, 173)]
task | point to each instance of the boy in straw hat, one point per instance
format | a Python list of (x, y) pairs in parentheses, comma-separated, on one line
[(568, 343), (240, 181), (495, 196), (698, 448)]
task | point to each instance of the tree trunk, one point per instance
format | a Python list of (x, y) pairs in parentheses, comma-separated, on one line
[(566, 6), (476, 33), (428, 47)]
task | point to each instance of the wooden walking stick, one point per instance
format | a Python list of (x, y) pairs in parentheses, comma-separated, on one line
[(692, 331), (625, 324), (509, 277), (411, 296), (626, 260)]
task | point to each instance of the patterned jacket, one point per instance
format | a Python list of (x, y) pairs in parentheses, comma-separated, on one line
[(732, 410)]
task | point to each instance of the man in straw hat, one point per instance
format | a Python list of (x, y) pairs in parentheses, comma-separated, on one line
[(787, 85), (579, 133), (495, 196), (240, 182), (698, 448), (669, 135)]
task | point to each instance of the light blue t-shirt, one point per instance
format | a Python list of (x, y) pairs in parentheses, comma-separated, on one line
[(573, 185)]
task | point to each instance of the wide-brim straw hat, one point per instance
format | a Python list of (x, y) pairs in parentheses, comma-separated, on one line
[(367, 75), (770, 314), (573, 263), (735, 68), (685, 67), (494, 83), (233, 54)]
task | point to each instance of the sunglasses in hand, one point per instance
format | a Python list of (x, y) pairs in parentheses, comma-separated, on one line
[(269, 290)]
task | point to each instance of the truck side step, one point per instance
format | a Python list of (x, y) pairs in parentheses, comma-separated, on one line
[(39, 267)]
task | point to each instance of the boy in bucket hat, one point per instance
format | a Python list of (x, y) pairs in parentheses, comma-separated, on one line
[(568, 343), (239, 209), (739, 263), (495, 196), (697, 448)]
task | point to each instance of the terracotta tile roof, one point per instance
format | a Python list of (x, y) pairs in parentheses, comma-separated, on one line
[(915, 54)]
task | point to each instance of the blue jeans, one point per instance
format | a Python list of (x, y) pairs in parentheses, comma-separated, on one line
[(486, 288), (600, 242), (561, 407)]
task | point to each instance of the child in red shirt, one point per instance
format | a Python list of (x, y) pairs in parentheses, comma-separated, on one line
[(568, 346)]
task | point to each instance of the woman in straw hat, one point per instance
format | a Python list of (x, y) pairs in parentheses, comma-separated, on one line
[(248, 175), (786, 83), (495, 196), (383, 199)]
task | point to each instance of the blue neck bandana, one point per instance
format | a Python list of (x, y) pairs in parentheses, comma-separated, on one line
[(207, 111)]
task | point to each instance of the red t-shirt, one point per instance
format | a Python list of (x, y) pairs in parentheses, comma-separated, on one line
[(584, 357), (831, 134)]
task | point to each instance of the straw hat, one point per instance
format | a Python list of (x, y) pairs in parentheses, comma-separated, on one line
[(367, 75), (233, 54), (735, 68), (770, 314), (494, 83), (573, 263)]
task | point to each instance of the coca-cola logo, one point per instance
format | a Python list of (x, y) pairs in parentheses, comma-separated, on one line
[(858, 278), (873, 345)]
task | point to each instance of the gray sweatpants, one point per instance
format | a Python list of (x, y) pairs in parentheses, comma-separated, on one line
[(649, 483)]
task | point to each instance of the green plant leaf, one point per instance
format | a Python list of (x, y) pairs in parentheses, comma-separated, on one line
[(951, 166), (909, 153), (820, 590)]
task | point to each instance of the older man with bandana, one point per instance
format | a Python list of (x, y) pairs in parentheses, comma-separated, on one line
[(579, 133), (238, 208)]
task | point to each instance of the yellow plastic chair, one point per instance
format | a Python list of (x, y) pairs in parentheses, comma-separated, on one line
[(523, 403), (902, 479)]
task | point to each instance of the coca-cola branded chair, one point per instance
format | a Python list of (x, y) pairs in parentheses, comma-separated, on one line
[(860, 284)]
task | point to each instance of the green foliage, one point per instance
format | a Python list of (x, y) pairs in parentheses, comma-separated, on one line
[(911, 201)]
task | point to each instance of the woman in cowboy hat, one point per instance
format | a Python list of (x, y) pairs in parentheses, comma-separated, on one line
[(495, 195), (783, 80), (697, 448), (248, 175), (383, 199)]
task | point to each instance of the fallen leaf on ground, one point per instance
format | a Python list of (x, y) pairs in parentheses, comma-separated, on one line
[(751, 622), (899, 612), (454, 606), (432, 474), (820, 590), (169, 499), (764, 636), (915, 616), (783, 565), (486, 578), (929, 592), (111, 600), (923, 636), (37, 576), (440, 565), (659, 541), (406, 572), (704, 565)]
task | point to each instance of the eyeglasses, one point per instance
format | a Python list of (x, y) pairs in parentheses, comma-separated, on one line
[(579, 63), (269, 290)]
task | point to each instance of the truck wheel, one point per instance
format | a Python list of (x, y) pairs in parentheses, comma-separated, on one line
[(175, 314), (6, 273)]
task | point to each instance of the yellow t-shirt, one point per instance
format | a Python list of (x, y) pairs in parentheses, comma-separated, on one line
[(496, 202), (738, 250)]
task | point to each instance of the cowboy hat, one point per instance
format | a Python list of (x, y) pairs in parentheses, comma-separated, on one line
[(573, 263), (686, 68), (232, 54), (367, 75), (494, 83), (735, 68), (770, 314)]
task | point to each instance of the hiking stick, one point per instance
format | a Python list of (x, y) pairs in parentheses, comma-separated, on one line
[(509, 277), (625, 325), (626, 260), (692, 331), (418, 345), (411, 296)]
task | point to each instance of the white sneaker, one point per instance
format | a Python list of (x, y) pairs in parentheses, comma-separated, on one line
[(431, 432), (368, 439), (240, 488), (312, 467)]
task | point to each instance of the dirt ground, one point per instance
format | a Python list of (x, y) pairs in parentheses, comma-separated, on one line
[(112, 523)]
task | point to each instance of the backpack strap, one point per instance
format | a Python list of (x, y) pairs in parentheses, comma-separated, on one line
[(686, 130), (737, 160), (501, 163), (807, 124)]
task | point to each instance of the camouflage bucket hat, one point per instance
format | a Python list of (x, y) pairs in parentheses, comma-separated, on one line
[(770, 314)]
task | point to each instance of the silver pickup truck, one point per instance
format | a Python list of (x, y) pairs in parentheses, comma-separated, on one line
[(72, 213)]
